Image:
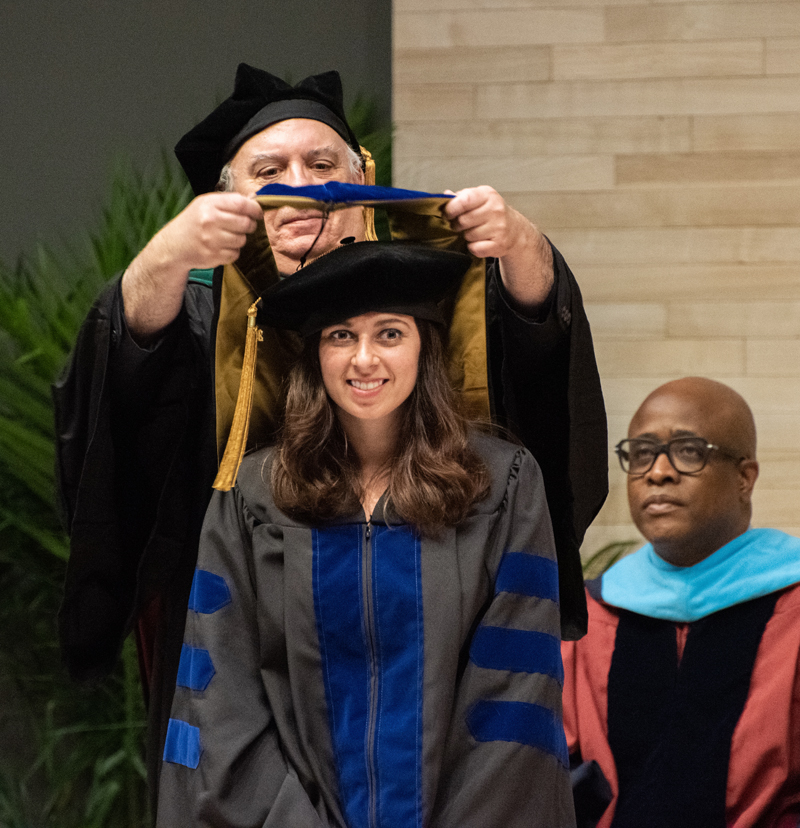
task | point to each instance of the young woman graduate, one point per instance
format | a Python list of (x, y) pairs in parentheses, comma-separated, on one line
[(373, 630)]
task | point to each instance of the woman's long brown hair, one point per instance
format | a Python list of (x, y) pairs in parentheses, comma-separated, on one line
[(435, 476)]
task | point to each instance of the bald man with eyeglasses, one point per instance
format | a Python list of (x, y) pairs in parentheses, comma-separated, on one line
[(682, 704)]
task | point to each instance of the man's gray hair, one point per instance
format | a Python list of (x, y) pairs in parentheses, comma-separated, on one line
[(226, 182)]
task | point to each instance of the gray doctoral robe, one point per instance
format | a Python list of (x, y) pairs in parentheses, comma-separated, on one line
[(358, 674)]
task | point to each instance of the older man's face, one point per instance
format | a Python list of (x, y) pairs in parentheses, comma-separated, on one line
[(298, 152), (687, 516)]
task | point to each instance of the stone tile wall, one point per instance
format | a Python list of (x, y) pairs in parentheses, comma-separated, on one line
[(658, 145)]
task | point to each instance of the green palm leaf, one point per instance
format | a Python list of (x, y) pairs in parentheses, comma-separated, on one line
[(597, 563)]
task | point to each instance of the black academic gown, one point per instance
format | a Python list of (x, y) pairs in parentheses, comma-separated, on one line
[(136, 457)]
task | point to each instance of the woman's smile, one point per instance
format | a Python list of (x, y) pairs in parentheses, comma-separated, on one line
[(366, 386)]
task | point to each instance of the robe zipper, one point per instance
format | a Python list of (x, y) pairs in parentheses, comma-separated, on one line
[(370, 634)]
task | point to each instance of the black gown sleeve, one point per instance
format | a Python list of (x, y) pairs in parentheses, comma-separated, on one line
[(546, 389), (131, 440)]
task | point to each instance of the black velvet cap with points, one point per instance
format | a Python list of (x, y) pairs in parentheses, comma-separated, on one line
[(394, 277), (259, 100)]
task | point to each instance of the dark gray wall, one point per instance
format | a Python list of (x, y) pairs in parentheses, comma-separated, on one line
[(83, 82)]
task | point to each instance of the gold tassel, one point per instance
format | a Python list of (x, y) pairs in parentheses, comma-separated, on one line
[(368, 212), (237, 439)]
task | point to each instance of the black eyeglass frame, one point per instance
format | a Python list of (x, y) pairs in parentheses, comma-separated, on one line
[(665, 448)]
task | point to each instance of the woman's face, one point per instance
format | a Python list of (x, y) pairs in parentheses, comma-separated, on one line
[(369, 364)]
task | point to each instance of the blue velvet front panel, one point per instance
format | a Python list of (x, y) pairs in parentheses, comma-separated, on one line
[(397, 590), (372, 661), (345, 662)]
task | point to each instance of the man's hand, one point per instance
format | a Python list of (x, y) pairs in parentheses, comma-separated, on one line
[(493, 229), (210, 231)]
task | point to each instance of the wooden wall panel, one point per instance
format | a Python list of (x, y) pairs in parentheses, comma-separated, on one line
[(702, 167), (782, 56), (701, 21), (768, 131), (472, 65), (657, 145), (658, 60), (497, 27), (650, 97), (535, 172), (536, 136), (689, 282), (731, 205)]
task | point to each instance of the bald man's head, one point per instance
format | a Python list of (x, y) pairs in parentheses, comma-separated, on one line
[(688, 516), (726, 415)]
